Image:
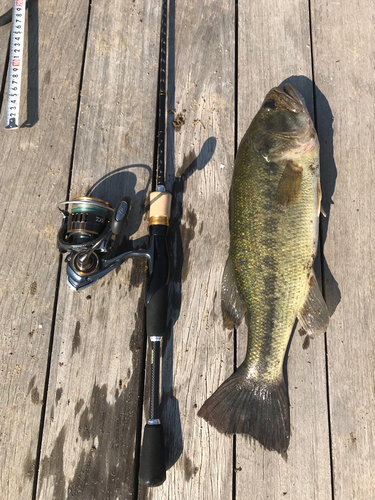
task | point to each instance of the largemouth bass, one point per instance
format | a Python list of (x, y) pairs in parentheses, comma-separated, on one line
[(274, 220)]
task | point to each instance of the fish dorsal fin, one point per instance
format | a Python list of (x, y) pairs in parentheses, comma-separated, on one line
[(232, 305), (289, 189), (314, 316)]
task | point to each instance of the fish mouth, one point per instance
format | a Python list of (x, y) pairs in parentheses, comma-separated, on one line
[(294, 94), (285, 99)]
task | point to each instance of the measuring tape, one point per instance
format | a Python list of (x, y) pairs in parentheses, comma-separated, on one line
[(15, 65)]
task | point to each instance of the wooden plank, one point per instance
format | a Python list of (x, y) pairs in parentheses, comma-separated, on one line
[(89, 444), (199, 353), (35, 164), (274, 46), (343, 41)]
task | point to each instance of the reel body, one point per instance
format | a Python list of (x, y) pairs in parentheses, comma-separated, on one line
[(88, 232)]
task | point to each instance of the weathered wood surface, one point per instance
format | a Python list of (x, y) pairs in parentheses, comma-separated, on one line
[(343, 41), (85, 436), (90, 436), (34, 171), (278, 46)]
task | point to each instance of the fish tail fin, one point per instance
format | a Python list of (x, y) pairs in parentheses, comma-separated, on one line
[(245, 405)]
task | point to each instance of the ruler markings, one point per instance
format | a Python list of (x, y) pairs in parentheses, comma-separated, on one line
[(15, 65)]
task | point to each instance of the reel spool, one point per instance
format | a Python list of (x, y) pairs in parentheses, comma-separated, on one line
[(87, 220)]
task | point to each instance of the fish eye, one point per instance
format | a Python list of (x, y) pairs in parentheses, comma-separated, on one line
[(270, 104)]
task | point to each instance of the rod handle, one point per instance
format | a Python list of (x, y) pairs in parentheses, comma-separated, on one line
[(152, 470), (156, 313)]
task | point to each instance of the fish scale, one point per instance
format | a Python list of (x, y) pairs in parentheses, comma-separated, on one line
[(274, 216)]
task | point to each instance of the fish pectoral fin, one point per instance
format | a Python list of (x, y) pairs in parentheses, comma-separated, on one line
[(289, 189), (232, 305), (314, 316)]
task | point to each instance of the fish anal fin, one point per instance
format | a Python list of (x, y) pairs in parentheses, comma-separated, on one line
[(289, 188), (232, 305), (314, 316)]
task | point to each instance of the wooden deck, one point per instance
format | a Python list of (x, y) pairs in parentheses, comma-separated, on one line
[(72, 364)]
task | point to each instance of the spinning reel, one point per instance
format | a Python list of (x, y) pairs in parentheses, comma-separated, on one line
[(89, 231)]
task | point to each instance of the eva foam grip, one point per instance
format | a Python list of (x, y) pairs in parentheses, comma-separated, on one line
[(160, 204), (152, 467), (156, 313)]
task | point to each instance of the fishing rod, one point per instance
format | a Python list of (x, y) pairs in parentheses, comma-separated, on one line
[(88, 234), (152, 470)]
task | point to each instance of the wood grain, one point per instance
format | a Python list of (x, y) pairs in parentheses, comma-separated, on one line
[(277, 48), (90, 436), (345, 108), (35, 164), (93, 406), (198, 355)]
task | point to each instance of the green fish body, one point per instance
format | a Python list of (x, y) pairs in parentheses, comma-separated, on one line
[(274, 221)]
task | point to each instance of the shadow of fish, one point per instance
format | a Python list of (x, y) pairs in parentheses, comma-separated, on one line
[(274, 221)]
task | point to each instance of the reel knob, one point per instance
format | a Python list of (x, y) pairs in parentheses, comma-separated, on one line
[(84, 264), (119, 215)]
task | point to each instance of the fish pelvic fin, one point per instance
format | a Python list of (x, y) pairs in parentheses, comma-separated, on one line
[(245, 405)]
